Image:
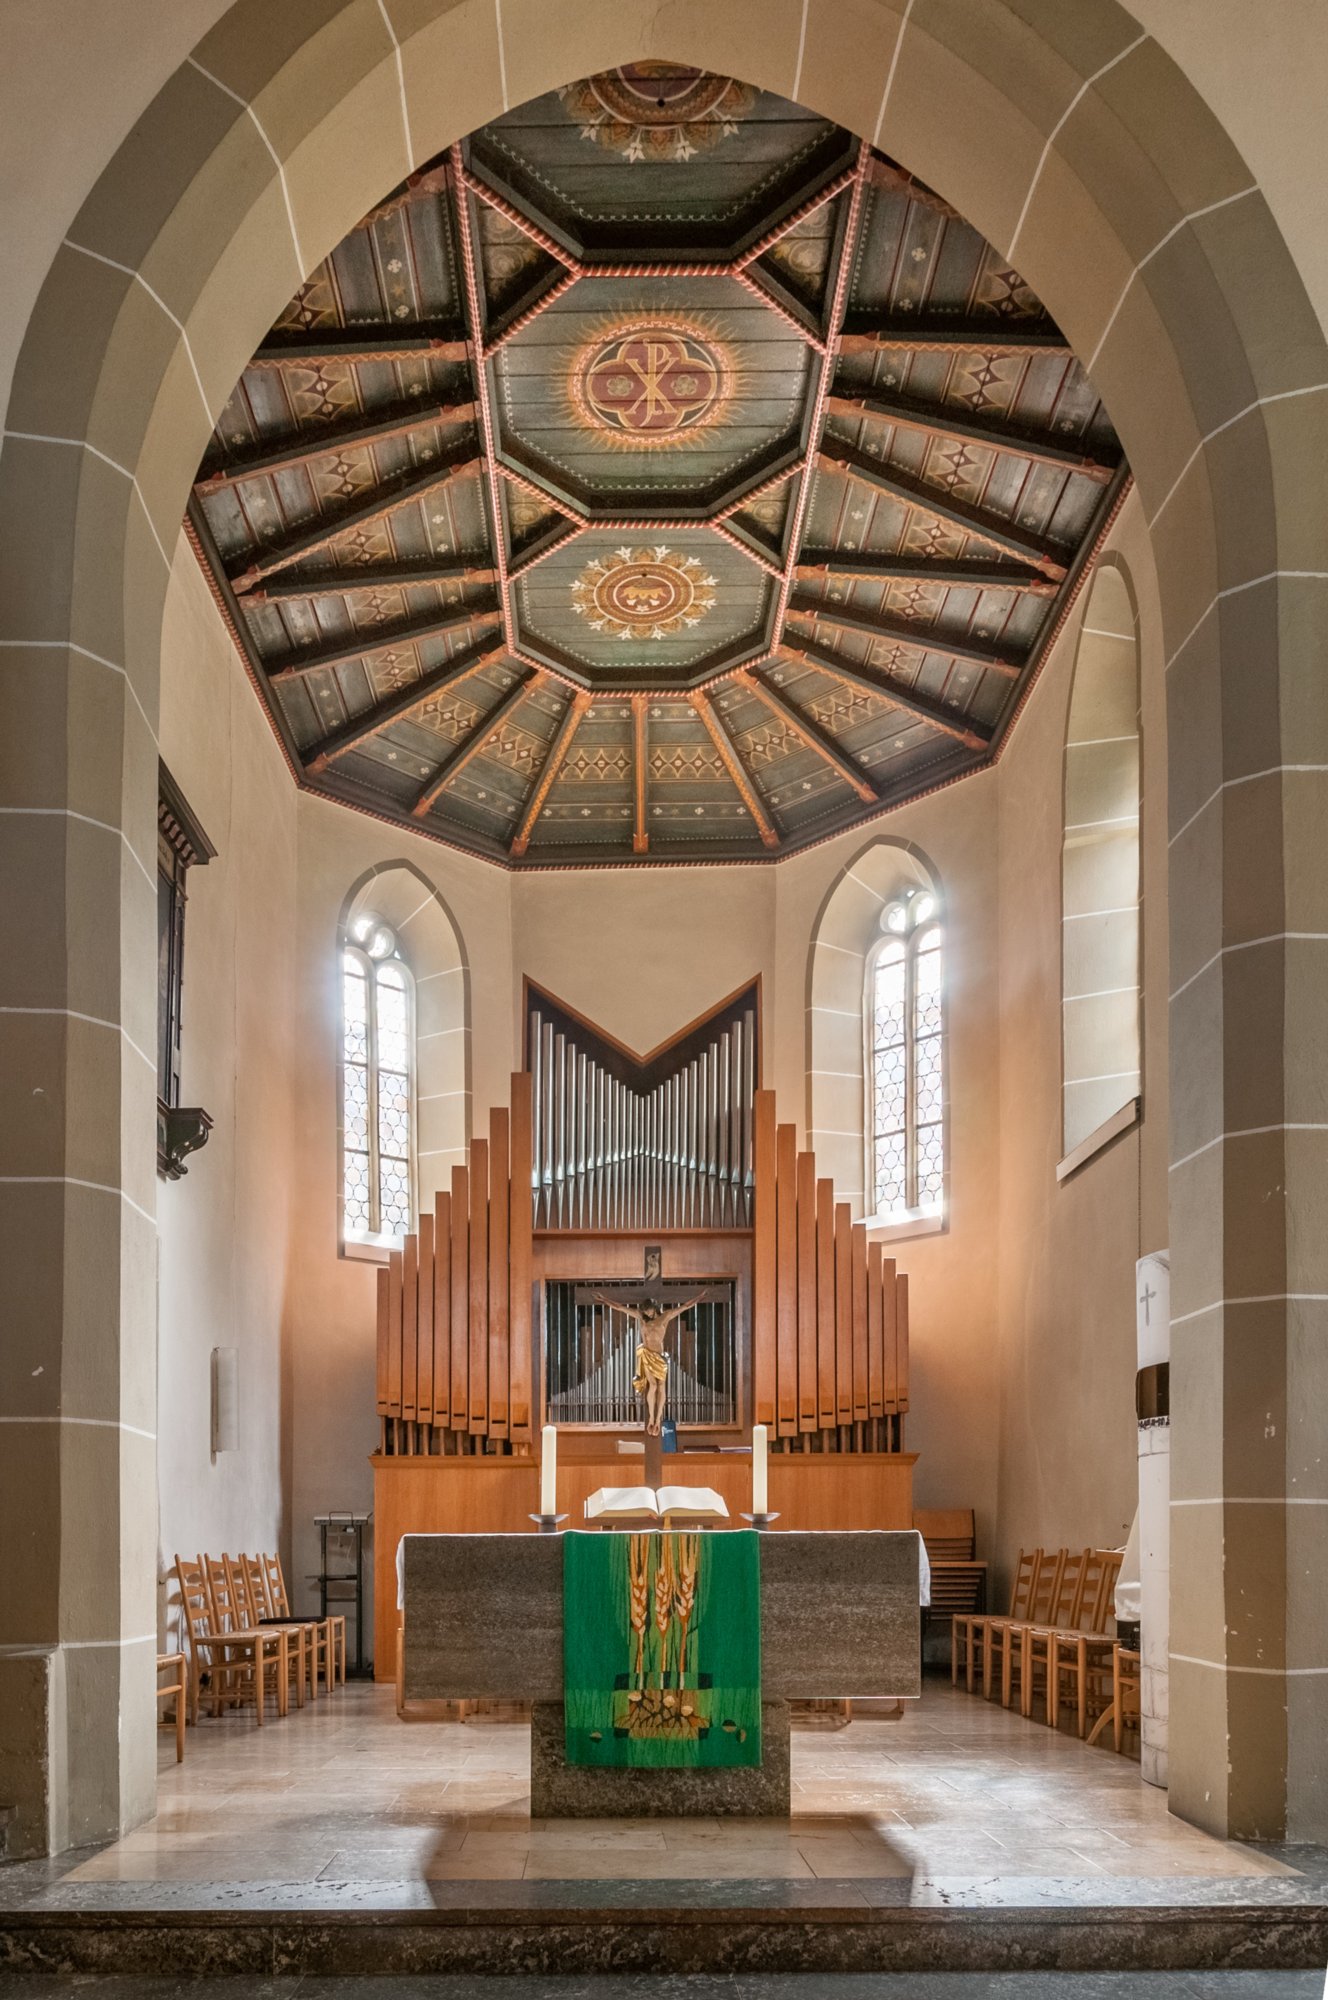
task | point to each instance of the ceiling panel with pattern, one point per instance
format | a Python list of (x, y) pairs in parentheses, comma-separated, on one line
[(661, 475)]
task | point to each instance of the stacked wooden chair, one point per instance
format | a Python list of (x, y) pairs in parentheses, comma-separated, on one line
[(958, 1580), (1054, 1641), (234, 1658), (244, 1641), (1058, 1655)]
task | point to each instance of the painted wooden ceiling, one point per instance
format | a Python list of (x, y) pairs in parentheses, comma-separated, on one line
[(661, 475)]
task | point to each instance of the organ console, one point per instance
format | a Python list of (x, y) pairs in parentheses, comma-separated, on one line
[(607, 1173)]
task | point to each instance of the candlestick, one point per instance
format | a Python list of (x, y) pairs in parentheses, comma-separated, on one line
[(760, 1477), (548, 1470)]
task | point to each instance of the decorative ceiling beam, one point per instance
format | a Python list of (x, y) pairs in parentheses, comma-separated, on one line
[(474, 315), (750, 550), (483, 732), (771, 484), (735, 767), (425, 181), (776, 233), (806, 333), (974, 735), (334, 437), (858, 565), (263, 562), (354, 343), (403, 702), (942, 421), (559, 745), (907, 632), (988, 527), (360, 645), (640, 773), (373, 576), (836, 305), (552, 292), (812, 735), (885, 174), (995, 336), (530, 229)]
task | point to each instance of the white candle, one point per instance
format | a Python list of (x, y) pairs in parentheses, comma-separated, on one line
[(760, 1491), (548, 1470)]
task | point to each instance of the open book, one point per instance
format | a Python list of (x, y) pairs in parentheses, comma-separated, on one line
[(642, 1503)]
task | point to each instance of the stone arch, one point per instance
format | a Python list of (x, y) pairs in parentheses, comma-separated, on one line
[(844, 935), (434, 950), (1101, 1025), (1072, 140)]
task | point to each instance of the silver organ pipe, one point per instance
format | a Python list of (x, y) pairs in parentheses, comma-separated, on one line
[(611, 1155)]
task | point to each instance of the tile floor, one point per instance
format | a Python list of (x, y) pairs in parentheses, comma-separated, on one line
[(959, 1794), (654, 1986)]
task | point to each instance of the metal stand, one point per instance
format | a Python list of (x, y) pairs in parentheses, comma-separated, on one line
[(760, 1521), (548, 1524), (350, 1527)]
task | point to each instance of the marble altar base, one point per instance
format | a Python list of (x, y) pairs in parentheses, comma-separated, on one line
[(559, 1790)]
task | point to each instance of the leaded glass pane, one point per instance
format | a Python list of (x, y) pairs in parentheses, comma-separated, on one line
[(354, 1004), (357, 1107), (392, 1020), (395, 1202), (393, 1118), (889, 1164), (931, 1165), (356, 1191), (888, 999)]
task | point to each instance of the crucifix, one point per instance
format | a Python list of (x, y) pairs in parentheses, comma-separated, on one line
[(651, 1307)]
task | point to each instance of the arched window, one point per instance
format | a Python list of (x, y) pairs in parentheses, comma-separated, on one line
[(905, 1057), (378, 1087)]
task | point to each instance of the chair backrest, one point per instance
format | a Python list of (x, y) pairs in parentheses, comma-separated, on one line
[(1021, 1587), (1101, 1568), (1046, 1585), (949, 1532), (1069, 1597), (247, 1607), (195, 1600), (232, 1613), (254, 1572), (276, 1587)]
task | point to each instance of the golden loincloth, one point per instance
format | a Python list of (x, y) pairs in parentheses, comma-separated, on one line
[(650, 1367)]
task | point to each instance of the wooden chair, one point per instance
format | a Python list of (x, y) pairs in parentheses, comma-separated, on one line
[(1002, 1641), (1062, 1610), (329, 1634), (958, 1581), (248, 1580), (233, 1658), (968, 1629), (1069, 1652), (1123, 1710), (177, 1685)]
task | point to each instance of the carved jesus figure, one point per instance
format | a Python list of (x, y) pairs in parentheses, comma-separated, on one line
[(651, 1323)]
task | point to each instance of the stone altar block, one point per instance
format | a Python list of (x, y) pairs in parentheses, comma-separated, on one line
[(483, 1620)]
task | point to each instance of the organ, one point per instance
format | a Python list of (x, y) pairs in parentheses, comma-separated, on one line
[(664, 1174)]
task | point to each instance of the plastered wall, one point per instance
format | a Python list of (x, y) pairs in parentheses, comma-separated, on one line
[(224, 1229)]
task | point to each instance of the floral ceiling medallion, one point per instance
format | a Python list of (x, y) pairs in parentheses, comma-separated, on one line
[(644, 593), (658, 111), (651, 382)]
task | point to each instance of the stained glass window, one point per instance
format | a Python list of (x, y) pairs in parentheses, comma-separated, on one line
[(906, 1062), (377, 1084)]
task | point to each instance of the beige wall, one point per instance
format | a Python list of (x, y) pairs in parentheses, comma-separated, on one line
[(224, 1228), (1067, 1339)]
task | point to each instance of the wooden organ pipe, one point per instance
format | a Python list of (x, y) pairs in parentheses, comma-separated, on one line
[(455, 1362), (829, 1308)]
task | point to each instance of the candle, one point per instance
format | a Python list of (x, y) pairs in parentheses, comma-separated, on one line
[(548, 1470), (760, 1493)]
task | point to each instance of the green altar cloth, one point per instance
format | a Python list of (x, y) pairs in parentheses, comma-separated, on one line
[(662, 1649)]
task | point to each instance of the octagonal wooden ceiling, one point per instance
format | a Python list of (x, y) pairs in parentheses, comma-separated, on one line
[(663, 475)]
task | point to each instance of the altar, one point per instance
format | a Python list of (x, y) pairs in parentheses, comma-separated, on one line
[(484, 1617)]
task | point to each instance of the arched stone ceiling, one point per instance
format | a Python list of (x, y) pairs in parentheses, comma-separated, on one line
[(662, 475)]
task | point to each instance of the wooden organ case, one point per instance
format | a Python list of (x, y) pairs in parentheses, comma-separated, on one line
[(613, 1175)]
